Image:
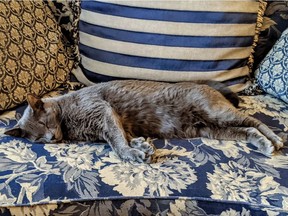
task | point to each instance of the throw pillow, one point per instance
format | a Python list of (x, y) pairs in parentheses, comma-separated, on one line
[(167, 40), (275, 21), (33, 58), (272, 74)]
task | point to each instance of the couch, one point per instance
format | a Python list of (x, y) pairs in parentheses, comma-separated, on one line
[(189, 177)]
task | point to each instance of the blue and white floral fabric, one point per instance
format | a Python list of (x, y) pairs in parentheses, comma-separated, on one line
[(272, 74), (190, 177)]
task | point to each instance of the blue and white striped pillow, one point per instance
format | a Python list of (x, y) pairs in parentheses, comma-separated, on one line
[(167, 40)]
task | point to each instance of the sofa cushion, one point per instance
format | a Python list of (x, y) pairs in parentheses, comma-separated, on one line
[(167, 41), (272, 74), (198, 176), (33, 58)]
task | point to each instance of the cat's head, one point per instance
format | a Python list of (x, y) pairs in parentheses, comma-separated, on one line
[(40, 122)]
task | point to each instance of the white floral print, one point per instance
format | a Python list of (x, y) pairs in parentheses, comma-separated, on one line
[(187, 175), (159, 178), (74, 155), (230, 149), (232, 181), (232, 212), (18, 151)]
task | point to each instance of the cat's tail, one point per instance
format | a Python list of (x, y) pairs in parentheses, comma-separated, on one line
[(224, 90)]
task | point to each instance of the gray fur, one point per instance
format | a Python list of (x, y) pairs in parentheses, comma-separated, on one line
[(120, 111)]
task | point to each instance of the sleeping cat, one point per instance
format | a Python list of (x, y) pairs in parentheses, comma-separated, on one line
[(123, 112)]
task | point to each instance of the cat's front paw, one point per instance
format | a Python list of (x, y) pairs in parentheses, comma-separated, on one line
[(133, 155), (139, 151), (141, 144)]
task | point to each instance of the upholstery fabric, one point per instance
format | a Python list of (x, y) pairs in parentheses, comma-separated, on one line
[(275, 21), (272, 74), (167, 40), (33, 58), (193, 176), (67, 14)]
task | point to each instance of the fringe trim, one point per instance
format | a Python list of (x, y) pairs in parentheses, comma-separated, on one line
[(254, 88), (259, 23)]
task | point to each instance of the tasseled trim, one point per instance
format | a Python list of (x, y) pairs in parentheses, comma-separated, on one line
[(254, 89), (259, 23)]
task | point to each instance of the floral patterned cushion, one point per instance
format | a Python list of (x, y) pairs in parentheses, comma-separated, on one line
[(194, 176)]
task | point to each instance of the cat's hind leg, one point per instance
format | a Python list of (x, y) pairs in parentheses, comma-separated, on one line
[(277, 141), (249, 134), (225, 115), (241, 120)]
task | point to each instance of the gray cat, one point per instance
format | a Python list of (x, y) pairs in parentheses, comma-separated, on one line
[(121, 112)]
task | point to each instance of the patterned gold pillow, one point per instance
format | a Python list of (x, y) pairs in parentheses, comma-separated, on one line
[(33, 58)]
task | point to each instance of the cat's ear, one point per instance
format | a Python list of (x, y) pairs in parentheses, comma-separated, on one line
[(16, 132), (34, 102)]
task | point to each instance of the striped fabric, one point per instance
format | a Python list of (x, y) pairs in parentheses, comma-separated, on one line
[(166, 40)]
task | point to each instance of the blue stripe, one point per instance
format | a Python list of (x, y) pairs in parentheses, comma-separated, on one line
[(165, 40), (235, 81), (95, 77), (160, 64), (168, 15)]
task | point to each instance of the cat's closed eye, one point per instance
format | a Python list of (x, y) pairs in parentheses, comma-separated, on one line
[(42, 123)]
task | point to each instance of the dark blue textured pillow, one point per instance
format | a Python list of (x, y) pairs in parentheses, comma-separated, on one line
[(167, 40), (274, 23), (272, 74)]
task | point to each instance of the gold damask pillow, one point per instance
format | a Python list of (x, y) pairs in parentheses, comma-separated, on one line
[(33, 58)]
